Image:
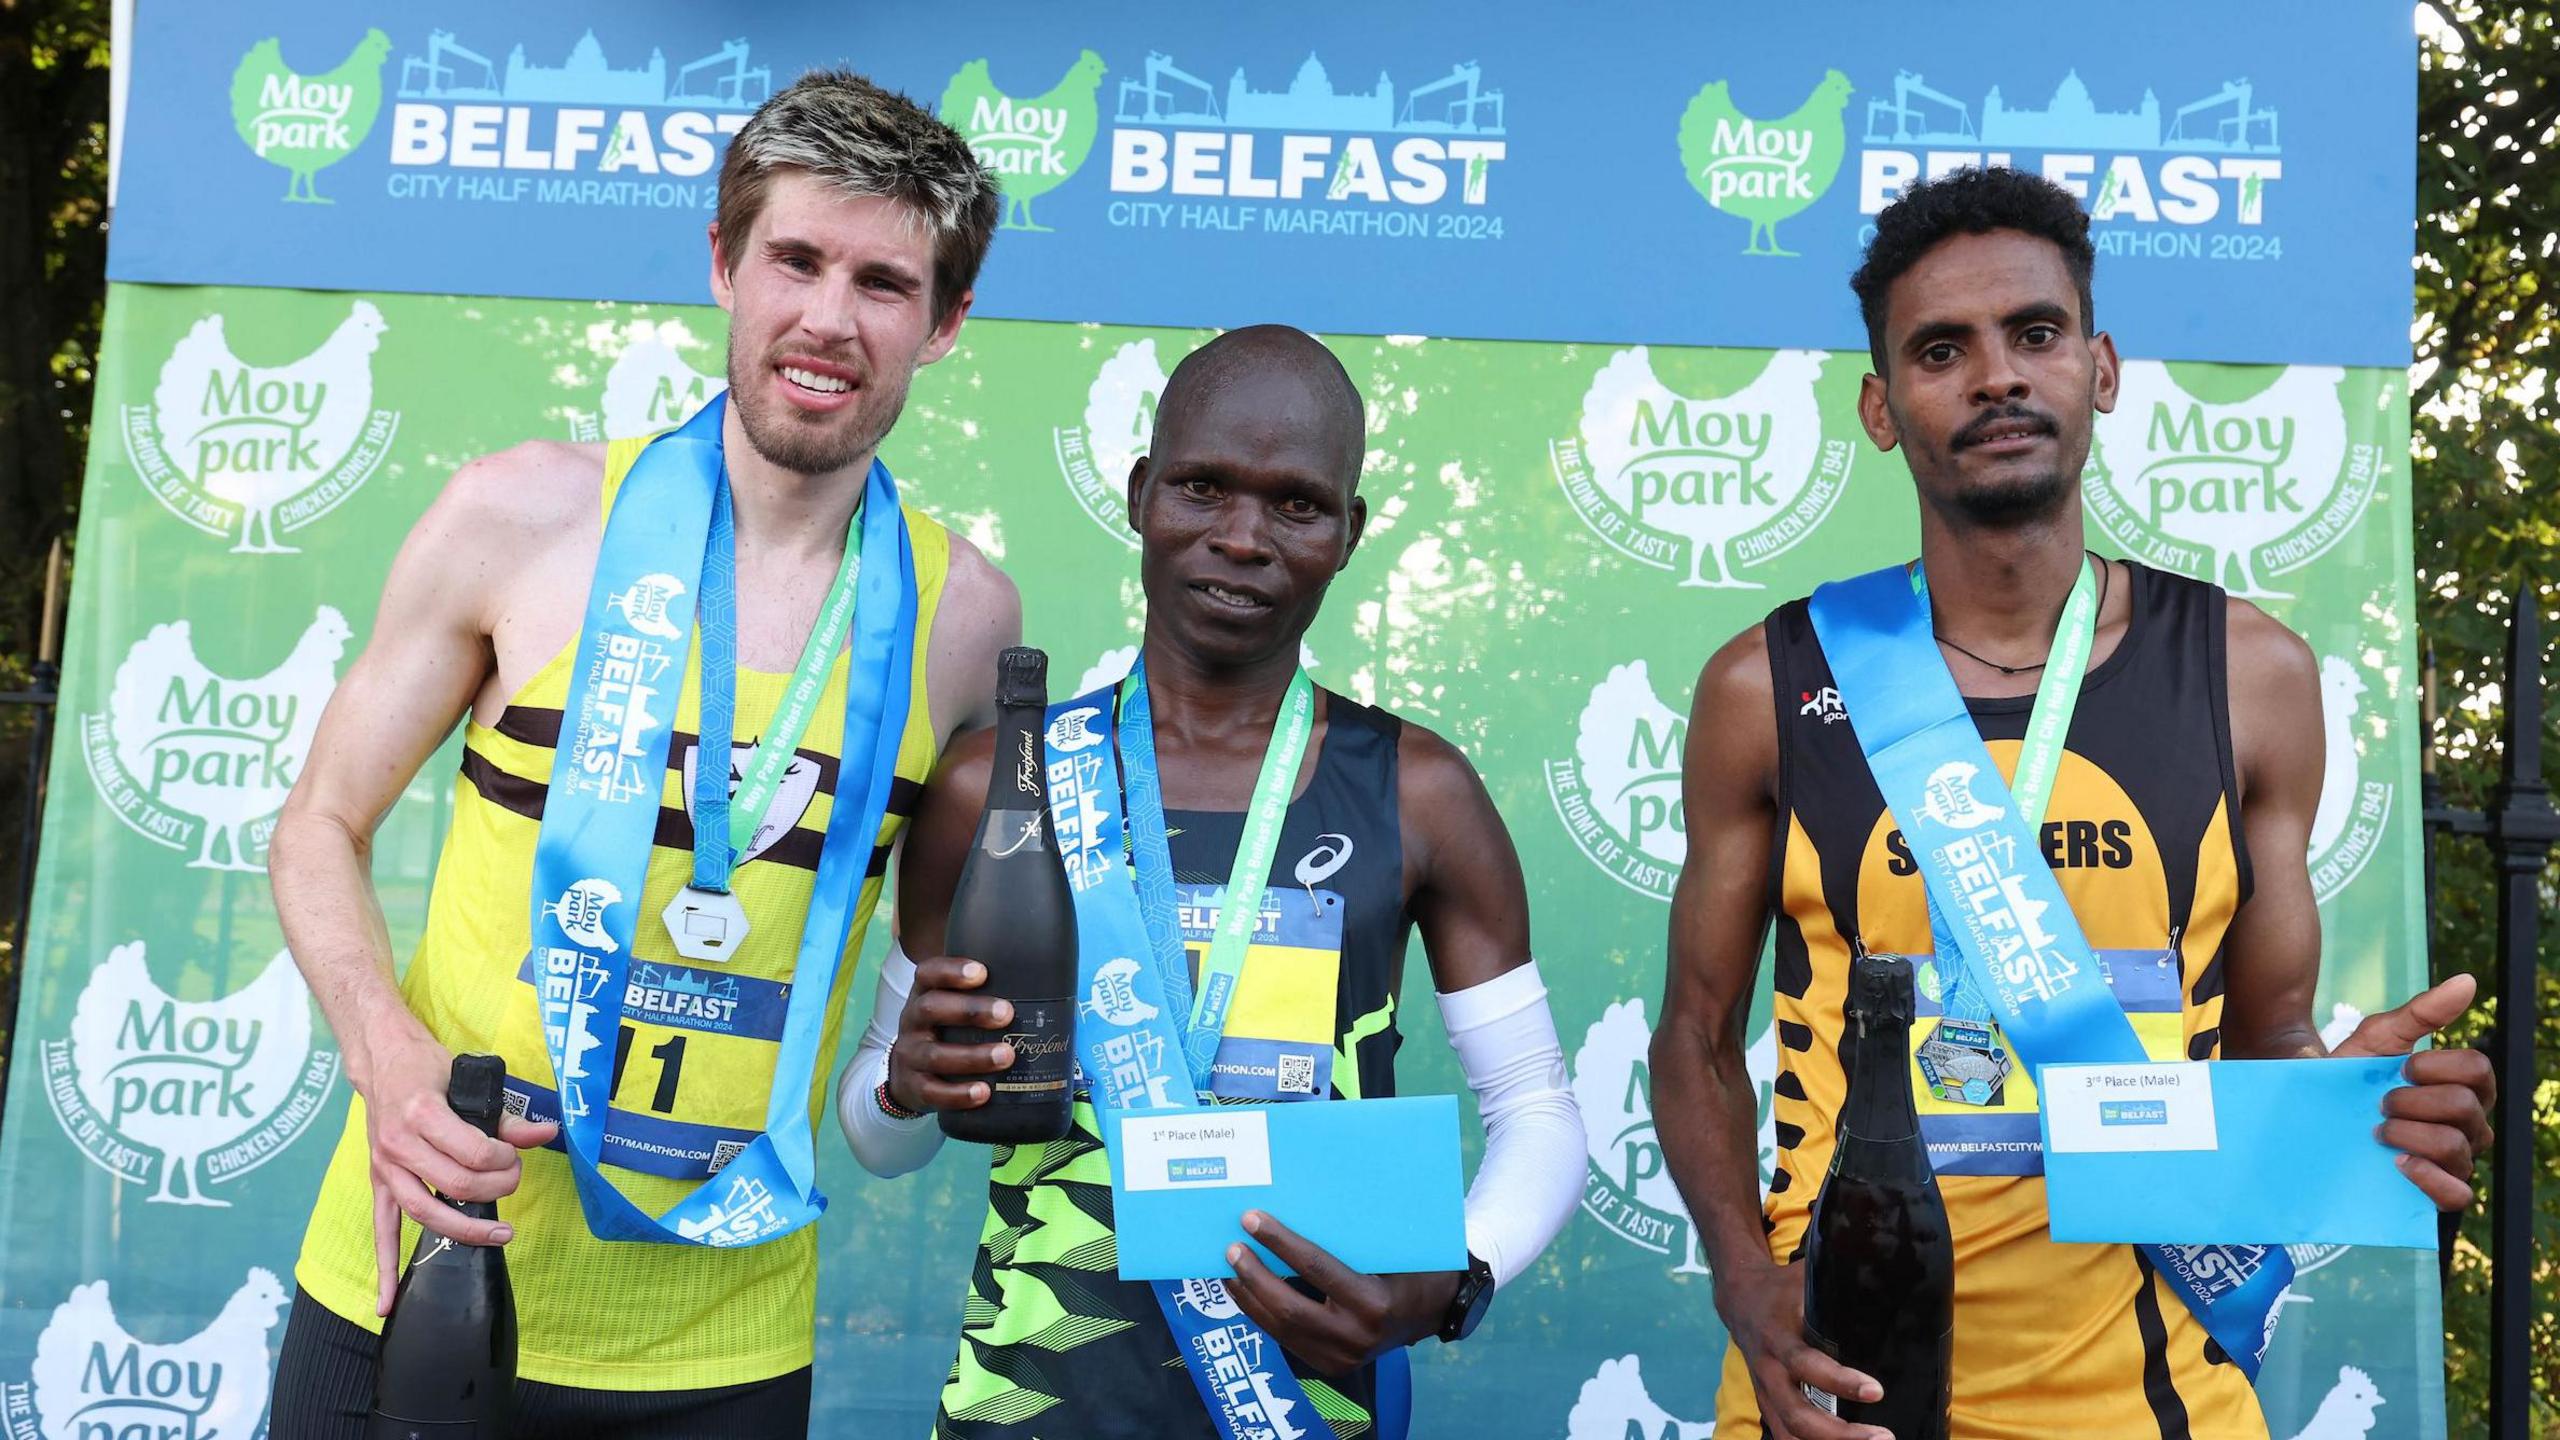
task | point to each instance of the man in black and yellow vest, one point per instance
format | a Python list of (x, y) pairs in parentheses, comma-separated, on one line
[(547, 600), (2175, 813)]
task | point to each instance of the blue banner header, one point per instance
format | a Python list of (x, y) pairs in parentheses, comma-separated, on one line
[(1682, 174)]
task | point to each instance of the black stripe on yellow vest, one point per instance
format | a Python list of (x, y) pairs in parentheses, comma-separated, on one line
[(538, 725), (799, 848)]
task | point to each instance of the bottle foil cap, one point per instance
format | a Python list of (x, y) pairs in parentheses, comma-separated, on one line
[(1880, 987), (478, 1089), (1022, 677)]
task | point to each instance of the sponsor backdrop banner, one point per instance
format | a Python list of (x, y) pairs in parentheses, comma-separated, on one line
[(1561, 533), (1689, 173)]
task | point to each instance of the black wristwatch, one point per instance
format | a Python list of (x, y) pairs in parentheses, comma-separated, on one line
[(1467, 1307)]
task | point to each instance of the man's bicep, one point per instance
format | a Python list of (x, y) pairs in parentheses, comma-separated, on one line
[(1472, 902), (936, 844), (428, 656), (980, 617), (1719, 910), (2273, 960)]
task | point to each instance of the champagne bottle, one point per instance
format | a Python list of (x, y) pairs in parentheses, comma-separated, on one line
[(1879, 1276), (1011, 913), (448, 1365)]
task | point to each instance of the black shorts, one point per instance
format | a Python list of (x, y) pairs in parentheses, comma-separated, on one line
[(324, 1386)]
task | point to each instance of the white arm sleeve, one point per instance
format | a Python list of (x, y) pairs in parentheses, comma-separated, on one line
[(1531, 1177), (887, 1146)]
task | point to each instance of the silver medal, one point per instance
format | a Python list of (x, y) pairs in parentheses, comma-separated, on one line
[(706, 924)]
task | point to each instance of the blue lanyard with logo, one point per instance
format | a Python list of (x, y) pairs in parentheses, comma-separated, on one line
[(705, 920), (1130, 1041), (599, 824), (1150, 846), (1963, 1061), (1996, 907)]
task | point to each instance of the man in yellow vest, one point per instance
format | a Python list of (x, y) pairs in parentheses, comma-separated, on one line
[(539, 602)]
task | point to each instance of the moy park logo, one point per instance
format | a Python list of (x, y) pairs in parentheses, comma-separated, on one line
[(1627, 1185), (1614, 1405), (92, 1380), (257, 452), (1764, 171), (303, 124), (182, 1095), (200, 761), (1032, 145), (1619, 796), (2227, 474), (1119, 421), (2355, 807), (650, 387), (1711, 475)]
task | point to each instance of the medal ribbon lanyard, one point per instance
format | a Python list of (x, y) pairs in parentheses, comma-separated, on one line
[(2066, 665), (1222, 969), (706, 921)]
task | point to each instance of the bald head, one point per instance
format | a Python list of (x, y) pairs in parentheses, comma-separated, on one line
[(1266, 376)]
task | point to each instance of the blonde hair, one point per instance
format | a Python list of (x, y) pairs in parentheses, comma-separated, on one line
[(865, 141)]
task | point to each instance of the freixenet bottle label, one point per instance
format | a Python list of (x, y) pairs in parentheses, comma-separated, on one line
[(1043, 1039)]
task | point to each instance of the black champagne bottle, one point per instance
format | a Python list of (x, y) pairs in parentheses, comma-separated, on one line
[(1879, 1276), (448, 1368), (1011, 913)]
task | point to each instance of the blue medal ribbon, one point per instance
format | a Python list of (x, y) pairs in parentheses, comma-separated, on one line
[(1129, 1039), (1992, 896), (591, 859)]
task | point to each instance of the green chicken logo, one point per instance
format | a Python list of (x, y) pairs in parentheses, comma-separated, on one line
[(1034, 144), (1764, 171), (307, 123)]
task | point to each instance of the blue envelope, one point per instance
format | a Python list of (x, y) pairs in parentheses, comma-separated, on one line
[(1375, 1182), (2227, 1152)]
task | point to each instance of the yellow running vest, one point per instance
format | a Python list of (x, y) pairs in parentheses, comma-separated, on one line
[(691, 1067)]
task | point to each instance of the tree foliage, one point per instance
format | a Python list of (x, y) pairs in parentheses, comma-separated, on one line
[(53, 275), (2487, 455)]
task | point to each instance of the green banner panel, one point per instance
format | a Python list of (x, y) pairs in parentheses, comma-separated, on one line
[(1560, 535)]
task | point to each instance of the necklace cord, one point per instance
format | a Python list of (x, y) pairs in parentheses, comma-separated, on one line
[(2105, 571)]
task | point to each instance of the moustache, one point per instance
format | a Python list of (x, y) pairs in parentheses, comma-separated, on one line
[(1971, 434)]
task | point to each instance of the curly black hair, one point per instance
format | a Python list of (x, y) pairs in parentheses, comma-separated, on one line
[(1971, 202)]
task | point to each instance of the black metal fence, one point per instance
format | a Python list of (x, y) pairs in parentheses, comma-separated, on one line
[(2520, 827)]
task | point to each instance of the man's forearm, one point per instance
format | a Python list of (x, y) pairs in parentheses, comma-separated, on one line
[(1707, 1119), (322, 874)]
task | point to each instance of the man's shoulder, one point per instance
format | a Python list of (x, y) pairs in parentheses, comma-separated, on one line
[(1426, 760), (538, 488), (971, 579), (1736, 677), (2267, 665)]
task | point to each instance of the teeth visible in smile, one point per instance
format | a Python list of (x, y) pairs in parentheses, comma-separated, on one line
[(1220, 592), (811, 380)]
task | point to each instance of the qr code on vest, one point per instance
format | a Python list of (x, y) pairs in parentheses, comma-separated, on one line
[(724, 1151), (1297, 1075)]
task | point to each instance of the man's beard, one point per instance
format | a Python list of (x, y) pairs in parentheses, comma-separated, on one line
[(2003, 504), (2006, 504), (815, 445)]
